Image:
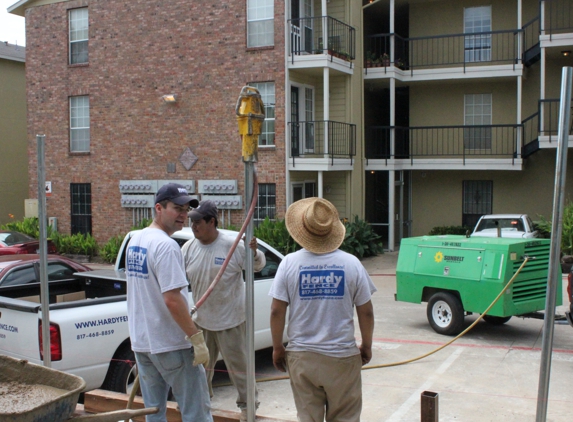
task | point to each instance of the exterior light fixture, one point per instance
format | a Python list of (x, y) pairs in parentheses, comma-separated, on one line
[(566, 53), (171, 98)]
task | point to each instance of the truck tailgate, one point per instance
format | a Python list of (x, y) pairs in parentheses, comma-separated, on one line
[(19, 329)]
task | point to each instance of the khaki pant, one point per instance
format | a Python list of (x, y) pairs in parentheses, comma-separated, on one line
[(323, 384), (232, 346)]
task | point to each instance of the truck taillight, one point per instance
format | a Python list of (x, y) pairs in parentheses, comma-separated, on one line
[(55, 342)]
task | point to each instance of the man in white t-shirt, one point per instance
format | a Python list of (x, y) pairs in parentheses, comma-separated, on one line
[(322, 285), (169, 349), (222, 315)]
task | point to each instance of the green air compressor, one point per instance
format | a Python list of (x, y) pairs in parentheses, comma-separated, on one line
[(459, 275)]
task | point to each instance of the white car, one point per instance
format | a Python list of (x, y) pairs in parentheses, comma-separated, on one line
[(505, 225)]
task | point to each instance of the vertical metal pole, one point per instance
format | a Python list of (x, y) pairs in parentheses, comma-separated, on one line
[(44, 288), (429, 407), (250, 297), (556, 227)]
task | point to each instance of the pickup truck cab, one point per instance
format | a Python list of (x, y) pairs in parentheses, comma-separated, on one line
[(505, 225), (88, 320)]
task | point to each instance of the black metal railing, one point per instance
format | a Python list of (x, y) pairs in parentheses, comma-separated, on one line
[(531, 31), (558, 16), (311, 139), (549, 118), (476, 141), (306, 37), (445, 50)]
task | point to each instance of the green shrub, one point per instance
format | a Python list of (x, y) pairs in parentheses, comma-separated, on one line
[(29, 226), (142, 224), (441, 230), (276, 234), (109, 251), (544, 226), (76, 244), (360, 239)]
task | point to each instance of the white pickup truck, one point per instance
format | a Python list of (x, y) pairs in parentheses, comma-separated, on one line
[(88, 320), (505, 225)]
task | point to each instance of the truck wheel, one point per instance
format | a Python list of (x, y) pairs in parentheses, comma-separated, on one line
[(496, 320), (122, 371), (445, 313)]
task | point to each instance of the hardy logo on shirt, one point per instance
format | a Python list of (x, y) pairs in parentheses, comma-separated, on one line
[(137, 260), (323, 284), (219, 261)]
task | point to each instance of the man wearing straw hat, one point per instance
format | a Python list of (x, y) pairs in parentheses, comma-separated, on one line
[(322, 285)]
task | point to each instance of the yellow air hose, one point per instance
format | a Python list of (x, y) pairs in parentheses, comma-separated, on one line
[(386, 365)]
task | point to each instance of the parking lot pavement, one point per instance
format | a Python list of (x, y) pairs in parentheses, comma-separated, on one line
[(490, 374)]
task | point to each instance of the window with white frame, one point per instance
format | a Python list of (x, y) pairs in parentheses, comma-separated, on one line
[(477, 113), (267, 91), (260, 23), (477, 48), (301, 190), (78, 24), (267, 203), (80, 124)]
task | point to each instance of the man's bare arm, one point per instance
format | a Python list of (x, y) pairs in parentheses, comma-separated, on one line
[(278, 319), (365, 315)]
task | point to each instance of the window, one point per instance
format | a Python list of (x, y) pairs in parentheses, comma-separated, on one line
[(80, 124), (301, 190), (477, 47), (477, 200), (267, 91), (266, 204), (81, 207), (78, 23), (260, 23), (477, 112)]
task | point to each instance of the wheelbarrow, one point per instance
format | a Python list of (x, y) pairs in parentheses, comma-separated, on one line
[(34, 393)]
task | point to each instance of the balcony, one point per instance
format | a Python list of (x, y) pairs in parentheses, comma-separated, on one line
[(443, 147), (443, 51), (558, 17), (541, 128), (322, 145), (307, 48)]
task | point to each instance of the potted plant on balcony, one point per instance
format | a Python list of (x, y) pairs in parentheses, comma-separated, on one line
[(385, 60), (400, 64)]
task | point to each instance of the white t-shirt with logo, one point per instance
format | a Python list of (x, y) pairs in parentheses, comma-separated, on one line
[(322, 291), (154, 265)]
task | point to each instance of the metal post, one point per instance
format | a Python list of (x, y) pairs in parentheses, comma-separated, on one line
[(44, 292), (429, 406), (556, 227)]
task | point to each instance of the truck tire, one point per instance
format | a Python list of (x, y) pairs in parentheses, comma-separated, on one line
[(445, 313), (122, 371), (496, 320)]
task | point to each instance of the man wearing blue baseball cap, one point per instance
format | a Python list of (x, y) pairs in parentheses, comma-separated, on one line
[(170, 350)]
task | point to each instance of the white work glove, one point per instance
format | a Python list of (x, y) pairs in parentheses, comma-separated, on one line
[(201, 351)]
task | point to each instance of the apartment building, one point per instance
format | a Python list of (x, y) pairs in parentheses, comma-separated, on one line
[(461, 103), (13, 157), (409, 113)]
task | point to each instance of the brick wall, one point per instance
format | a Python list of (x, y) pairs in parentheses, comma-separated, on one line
[(139, 51)]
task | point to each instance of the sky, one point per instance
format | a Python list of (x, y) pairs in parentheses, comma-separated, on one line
[(11, 26)]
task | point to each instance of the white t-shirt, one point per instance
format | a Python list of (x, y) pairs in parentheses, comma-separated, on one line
[(154, 266), (225, 306), (322, 290)]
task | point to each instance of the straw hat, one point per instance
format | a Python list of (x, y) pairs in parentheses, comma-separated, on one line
[(315, 225)]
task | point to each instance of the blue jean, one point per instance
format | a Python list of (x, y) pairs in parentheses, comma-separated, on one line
[(158, 372)]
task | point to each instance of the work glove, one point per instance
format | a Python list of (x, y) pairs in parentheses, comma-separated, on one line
[(201, 351)]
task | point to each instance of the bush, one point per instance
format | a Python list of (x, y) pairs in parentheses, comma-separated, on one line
[(441, 230), (276, 234), (109, 251), (29, 226), (76, 244), (360, 239), (544, 226)]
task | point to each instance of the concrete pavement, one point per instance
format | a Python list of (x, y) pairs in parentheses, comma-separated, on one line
[(490, 374)]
